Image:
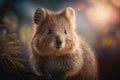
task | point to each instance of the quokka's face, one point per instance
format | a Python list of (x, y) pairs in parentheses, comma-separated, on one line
[(55, 34)]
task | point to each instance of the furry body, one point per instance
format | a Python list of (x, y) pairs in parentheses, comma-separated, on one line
[(57, 51)]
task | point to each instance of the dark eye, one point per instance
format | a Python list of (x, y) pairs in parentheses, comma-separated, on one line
[(65, 31), (49, 31)]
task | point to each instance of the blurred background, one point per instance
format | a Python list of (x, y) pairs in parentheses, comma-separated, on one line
[(98, 21)]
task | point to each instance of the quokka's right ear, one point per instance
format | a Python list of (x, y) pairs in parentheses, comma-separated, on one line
[(39, 15)]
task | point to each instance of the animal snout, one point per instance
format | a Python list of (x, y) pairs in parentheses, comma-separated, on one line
[(58, 42)]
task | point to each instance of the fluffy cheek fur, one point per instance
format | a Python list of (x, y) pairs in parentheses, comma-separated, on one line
[(45, 45), (71, 44), (42, 45)]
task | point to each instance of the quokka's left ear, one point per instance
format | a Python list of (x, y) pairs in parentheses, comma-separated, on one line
[(69, 12)]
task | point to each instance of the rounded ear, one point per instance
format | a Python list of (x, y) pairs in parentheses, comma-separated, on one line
[(39, 15), (70, 12)]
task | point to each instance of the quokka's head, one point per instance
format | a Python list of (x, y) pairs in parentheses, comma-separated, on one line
[(54, 32)]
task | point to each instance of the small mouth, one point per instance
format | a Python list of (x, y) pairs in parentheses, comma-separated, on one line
[(57, 47)]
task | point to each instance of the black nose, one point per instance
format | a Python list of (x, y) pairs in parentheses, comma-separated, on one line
[(58, 42)]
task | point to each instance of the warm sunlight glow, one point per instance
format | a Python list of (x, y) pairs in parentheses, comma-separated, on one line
[(102, 15)]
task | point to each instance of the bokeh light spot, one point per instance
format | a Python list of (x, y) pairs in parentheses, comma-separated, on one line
[(108, 41), (118, 35), (102, 16), (26, 33), (11, 21)]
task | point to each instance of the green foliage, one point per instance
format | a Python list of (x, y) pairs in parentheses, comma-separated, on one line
[(11, 64), (9, 51)]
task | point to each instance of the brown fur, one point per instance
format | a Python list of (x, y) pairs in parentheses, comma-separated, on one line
[(73, 61)]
